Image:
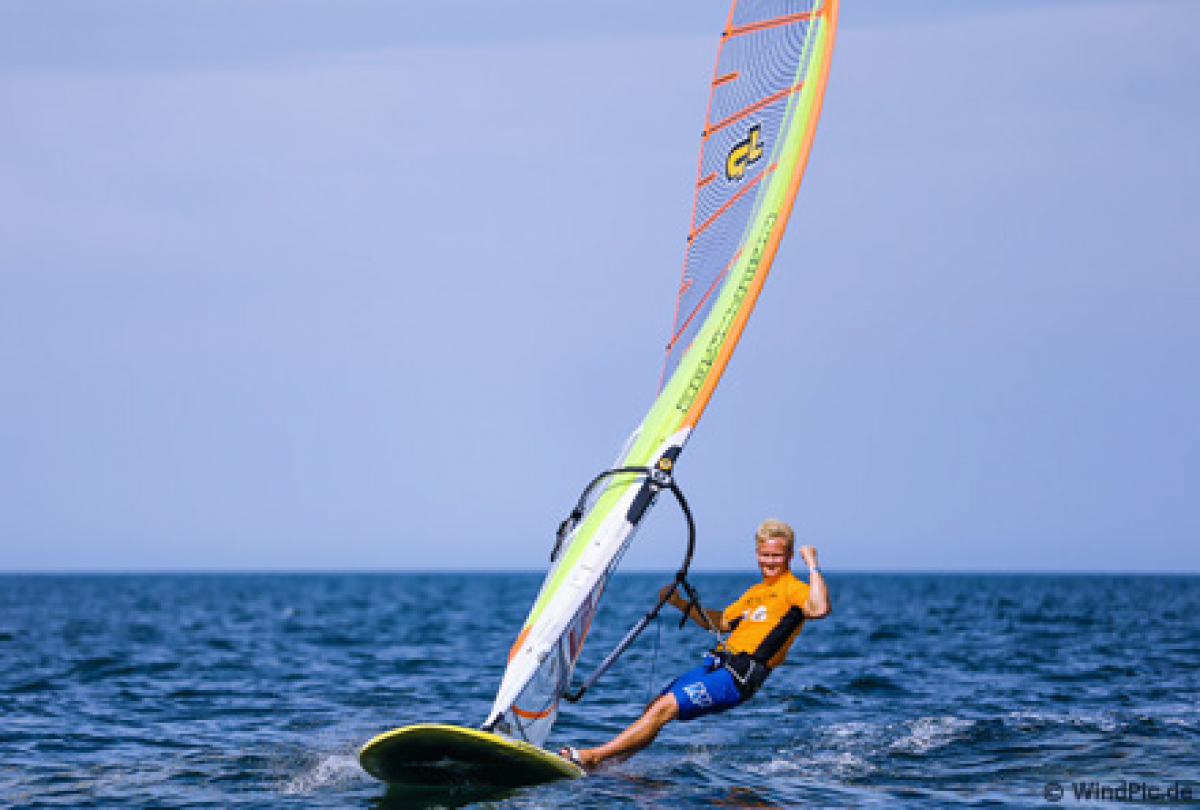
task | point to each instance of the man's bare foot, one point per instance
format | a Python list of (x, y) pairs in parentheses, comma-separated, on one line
[(577, 757)]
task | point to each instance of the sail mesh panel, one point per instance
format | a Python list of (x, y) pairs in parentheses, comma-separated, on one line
[(755, 80)]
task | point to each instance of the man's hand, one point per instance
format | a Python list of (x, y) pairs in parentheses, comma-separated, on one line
[(714, 618), (809, 555), (675, 601)]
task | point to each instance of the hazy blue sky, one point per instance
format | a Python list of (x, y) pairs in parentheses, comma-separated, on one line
[(376, 285)]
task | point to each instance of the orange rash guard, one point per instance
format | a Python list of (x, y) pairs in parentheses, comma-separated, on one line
[(767, 618)]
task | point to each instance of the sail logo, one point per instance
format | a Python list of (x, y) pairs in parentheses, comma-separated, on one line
[(744, 153)]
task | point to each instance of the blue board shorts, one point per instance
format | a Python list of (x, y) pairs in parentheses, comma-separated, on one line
[(707, 689)]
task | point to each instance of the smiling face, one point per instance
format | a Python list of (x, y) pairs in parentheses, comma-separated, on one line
[(774, 556)]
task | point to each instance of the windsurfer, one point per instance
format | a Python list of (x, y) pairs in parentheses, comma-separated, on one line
[(762, 624)]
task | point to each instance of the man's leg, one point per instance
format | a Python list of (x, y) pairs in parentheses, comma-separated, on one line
[(663, 710)]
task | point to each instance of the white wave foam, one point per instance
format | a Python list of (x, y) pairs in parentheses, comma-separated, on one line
[(851, 732), (838, 763), (1098, 721), (928, 733), (842, 749), (333, 769)]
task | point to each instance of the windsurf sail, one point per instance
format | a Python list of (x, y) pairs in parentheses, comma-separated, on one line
[(766, 95)]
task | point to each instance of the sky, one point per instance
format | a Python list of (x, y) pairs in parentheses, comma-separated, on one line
[(372, 286)]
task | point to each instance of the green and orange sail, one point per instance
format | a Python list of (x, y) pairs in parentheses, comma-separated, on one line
[(765, 100)]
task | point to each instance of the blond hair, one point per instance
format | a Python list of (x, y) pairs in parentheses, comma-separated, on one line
[(775, 528)]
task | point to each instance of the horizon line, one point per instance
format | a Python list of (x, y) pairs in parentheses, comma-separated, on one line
[(534, 571)]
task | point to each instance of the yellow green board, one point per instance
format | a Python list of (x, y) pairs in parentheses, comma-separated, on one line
[(438, 754)]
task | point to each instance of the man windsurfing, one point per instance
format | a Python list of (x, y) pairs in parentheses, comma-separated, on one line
[(762, 625)]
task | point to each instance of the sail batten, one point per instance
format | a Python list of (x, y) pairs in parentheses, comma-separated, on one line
[(766, 91), (759, 26), (746, 189), (733, 118)]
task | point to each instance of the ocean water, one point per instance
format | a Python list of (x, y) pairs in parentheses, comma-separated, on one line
[(238, 691)]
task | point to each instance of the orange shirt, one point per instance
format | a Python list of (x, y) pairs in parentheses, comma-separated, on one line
[(767, 618)]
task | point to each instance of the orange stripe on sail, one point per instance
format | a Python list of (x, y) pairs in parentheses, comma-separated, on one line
[(739, 324), (758, 105), (774, 22), (517, 644), (728, 77), (729, 203), (683, 327), (704, 181), (531, 715)]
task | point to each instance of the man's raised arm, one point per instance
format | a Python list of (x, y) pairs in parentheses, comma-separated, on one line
[(817, 606)]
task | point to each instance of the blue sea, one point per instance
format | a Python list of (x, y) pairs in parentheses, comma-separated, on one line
[(248, 690)]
